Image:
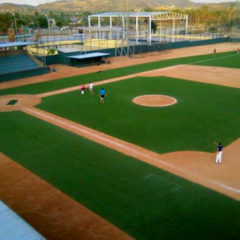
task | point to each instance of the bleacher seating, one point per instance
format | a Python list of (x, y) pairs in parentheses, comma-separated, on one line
[(16, 63)]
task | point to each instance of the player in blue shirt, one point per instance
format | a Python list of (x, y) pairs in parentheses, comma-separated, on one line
[(219, 153), (102, 94)]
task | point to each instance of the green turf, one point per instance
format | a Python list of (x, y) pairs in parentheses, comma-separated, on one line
[(144, 201), (204, 113), (98, 76), (12, 102), (231, 61)]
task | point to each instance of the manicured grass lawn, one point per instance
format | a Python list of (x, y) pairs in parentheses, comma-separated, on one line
[(98, 76), (231, 61), (203, 115), (144, 201)]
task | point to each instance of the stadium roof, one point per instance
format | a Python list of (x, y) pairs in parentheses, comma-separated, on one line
[(162, 14), (15, 228), (16, 44), (89, 55)]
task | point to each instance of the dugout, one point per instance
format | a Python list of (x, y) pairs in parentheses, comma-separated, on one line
[(95, 58)]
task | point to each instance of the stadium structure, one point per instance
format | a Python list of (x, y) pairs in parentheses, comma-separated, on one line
[(107, 34)]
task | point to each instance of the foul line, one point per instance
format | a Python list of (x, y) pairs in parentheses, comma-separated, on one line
[(132, 151), (225, 186), (213, 58), (90, 132), (78, 87)]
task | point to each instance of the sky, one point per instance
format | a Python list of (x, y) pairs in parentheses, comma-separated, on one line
[(29, 2), (37, 2)]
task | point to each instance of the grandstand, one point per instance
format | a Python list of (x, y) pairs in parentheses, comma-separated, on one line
[(16, 63), (112, 33)]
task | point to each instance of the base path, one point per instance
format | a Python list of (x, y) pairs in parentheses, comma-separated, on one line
[(228, 77), (15, 102), (118, 62), (51, 212), (211, 178)]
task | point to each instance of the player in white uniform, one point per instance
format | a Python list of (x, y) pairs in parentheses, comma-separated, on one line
[(219, 153), (91, 88)]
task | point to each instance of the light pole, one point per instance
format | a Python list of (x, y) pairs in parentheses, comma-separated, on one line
[(15, 23)]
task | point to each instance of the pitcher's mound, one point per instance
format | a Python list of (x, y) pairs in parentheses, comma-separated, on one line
[(155, 100), (15, 102)]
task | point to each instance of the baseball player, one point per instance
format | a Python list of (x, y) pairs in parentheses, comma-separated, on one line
[(91, 88), (219, 153), (83, 88), (102, 94)]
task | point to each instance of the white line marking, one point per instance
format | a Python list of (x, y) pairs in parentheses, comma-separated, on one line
[(226, 186), (111, 141), (79, 129), (211, 59), (88, 132), (74, 88)]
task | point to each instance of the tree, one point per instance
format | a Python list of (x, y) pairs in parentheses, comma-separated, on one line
[(5, 22), (42, 21)]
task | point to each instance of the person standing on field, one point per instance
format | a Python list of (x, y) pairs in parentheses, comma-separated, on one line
[(83, 88), (219, 153), (91, 88), (102, 94)]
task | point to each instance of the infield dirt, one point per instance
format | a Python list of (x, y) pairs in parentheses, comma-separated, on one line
[(60, 217), (154, 100), (51, 212), (118, 62)]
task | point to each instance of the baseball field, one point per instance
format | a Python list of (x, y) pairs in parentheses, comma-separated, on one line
[(127, 169)]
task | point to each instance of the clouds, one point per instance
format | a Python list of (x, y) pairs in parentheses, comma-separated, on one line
[(29, 2)]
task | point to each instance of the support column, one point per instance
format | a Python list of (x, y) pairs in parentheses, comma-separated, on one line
[(160, 32), (99, 25), (136, 29), (186, 28), (89, 21), (89, 25), (123, 26), (173, 31), (99, 22), (110, 24), (150, 30)]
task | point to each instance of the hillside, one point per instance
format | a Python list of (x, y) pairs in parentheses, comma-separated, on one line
[(104, 5), (111, 5), (8, 7), (96, 5)]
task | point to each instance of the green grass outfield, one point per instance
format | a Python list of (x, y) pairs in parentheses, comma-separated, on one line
[(142, 200), (230, 61), (231, 57), (203, 115)]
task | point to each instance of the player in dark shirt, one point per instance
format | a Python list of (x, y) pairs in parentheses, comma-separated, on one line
[(219, 153)]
